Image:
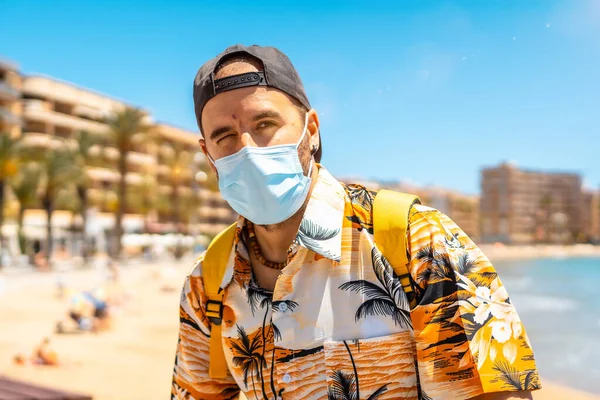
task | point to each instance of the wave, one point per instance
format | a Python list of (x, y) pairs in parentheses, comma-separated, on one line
[(529, 302), (513, 283)]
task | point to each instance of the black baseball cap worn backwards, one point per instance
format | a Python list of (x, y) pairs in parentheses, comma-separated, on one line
[(278, 72)]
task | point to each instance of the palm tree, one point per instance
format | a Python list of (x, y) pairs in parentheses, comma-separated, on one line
[(9, 156), (346, 386), (25, 187), (248, 357), (85, 142), (143, 197), (174, 163), (388, 299), (343, 386), (181, 208), (59, 169), (126, 128)]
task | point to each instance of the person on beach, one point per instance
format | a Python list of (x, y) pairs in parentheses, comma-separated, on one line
[(311, 307), (89, 311), (43, 354)]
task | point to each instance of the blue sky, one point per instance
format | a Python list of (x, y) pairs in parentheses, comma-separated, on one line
[(423, 91)]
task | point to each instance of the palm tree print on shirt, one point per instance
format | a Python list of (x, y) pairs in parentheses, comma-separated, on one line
[(362, 204), (259, 298), (512, 377), (440, 266), (345, 386), (388, 299), (248, 357), (311, 235)]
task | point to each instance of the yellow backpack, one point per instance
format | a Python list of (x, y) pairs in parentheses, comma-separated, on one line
[(390, 221)]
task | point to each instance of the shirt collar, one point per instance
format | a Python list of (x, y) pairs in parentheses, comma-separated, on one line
[(321, 226)]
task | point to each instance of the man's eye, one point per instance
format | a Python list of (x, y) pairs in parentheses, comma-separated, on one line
[(265, 124), (224, 137)]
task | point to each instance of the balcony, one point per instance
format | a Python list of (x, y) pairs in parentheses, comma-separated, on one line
[(220, 214), (207, 213), (140, 159), (40, 110), (108, 175), (133, 178), (9, 118), (33, 139), (110, 153), (103, 174), (8, 92), (47, 88), (90, 113)]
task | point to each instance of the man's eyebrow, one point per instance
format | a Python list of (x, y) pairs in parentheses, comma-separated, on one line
[(214, 135), (266, 114)]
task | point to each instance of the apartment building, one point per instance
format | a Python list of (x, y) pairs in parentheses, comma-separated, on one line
[(591, 216), (187, 173), (462, 209), (10, 98), (167, 189), (522, 206)]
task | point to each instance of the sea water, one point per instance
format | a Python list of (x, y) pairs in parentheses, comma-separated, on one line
[(558, 300)]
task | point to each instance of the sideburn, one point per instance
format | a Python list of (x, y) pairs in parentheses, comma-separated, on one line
[(304, 154)]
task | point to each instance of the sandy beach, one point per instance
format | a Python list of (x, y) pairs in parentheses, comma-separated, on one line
[(503, 252), (132, 361)]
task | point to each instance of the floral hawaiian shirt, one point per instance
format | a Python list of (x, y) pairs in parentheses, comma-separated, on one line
[(339, 326)]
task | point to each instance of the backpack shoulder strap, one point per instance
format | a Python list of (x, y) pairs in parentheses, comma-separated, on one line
[(213, 270), (390, 222)]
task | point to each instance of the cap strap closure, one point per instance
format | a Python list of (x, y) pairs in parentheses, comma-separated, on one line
[(240, 81)]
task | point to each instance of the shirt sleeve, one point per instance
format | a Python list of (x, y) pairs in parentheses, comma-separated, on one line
[(191, 380), (469, 337)]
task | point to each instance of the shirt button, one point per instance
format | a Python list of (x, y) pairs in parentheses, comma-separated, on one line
[(283, 307), (287, 378)]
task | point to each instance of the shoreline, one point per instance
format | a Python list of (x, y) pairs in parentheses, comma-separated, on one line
[(139, 348), (551, 391), (497, 252)]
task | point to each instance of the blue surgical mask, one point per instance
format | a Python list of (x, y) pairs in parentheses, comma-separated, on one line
[(264, 184)]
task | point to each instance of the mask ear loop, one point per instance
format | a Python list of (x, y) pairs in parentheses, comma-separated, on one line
[(303, 131), (310, 168), (211, 160), (312, 159)]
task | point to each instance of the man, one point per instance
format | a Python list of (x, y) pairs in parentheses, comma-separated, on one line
[(311, 308)]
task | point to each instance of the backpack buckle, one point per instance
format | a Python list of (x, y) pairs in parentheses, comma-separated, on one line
[(214, 311)]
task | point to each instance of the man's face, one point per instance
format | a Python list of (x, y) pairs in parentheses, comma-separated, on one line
[(255, 116)]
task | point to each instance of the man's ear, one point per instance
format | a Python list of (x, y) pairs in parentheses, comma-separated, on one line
[(202, 143), (312, 129)]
